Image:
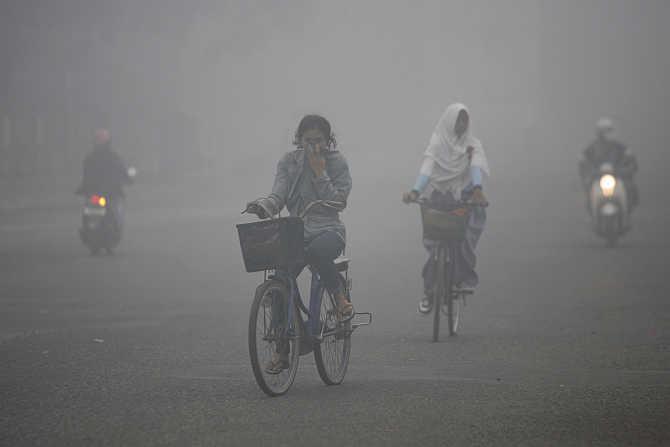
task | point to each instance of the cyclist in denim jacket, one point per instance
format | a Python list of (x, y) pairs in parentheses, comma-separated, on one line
[(315, 171)]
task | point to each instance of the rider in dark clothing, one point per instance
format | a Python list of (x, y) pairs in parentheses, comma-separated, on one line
[(607, 150), (104, 170), (105, 173)]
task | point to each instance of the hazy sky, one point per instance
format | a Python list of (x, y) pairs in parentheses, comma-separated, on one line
[(228, 81)]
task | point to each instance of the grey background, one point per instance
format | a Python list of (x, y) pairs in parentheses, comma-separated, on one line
[(565, 343)]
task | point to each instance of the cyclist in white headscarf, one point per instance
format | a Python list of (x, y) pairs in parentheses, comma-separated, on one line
[(453, 169)]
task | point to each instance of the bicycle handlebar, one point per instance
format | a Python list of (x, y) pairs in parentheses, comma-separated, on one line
[(338, 206), (457, 204), (252, 208)]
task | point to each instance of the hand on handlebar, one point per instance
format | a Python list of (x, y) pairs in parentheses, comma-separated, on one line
[(255, 208), (409, 197), (478, 198)]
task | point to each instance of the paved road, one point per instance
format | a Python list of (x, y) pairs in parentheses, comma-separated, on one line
[(565, 343)]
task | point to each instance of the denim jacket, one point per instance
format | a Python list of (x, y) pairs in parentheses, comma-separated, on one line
[(296, 186)]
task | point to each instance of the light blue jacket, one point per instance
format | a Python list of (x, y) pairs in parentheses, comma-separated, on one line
[(295, 187)]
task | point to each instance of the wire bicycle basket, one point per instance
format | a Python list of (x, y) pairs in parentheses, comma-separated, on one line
[(269, 244), (442, 225)]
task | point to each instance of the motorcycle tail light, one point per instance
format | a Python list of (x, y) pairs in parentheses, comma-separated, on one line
[(98, 200)]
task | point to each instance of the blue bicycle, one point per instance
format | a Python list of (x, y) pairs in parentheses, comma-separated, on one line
[(281, 326)]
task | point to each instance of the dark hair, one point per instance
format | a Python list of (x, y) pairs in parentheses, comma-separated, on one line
[(309, 122)]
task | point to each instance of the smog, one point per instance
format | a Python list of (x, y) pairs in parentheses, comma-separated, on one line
[(565, 339)]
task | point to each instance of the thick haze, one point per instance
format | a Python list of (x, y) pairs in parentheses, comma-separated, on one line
[(565, 341), (187, 87)]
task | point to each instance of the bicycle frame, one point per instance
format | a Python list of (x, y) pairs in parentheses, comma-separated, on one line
[(295, 302), (290, 277), (443, 247), (448, 248)]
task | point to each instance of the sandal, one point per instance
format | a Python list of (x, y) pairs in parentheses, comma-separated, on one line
[(425, 305), (276, 365)]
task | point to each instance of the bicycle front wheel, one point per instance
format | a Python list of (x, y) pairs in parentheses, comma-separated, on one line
[(438, 292), (454, 309), (274, 334), (333, 345), (454, 302)]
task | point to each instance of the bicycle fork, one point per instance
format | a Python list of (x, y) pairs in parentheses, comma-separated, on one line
[(315, 297)]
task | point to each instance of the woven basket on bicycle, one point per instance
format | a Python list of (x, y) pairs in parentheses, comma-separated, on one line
[(269, 244), (439, 225)]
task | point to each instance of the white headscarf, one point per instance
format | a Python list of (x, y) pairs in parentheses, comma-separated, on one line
[(449, 153)]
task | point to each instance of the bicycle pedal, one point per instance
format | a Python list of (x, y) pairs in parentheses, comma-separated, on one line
[(343, 333), (361, 319)]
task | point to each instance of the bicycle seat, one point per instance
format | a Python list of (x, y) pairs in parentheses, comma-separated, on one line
[(342, 264)]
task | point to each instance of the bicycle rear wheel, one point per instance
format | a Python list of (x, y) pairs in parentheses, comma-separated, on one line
[(438, 292), (332, 352), (271, 333)]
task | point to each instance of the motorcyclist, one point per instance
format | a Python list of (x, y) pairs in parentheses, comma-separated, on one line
[(105, 173), (605, 149)]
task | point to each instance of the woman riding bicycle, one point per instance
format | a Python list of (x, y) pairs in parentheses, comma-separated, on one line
[(313, 182), (452, 170)]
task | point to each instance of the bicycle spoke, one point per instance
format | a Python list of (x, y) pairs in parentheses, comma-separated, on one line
[(332, 354), (270, 338)]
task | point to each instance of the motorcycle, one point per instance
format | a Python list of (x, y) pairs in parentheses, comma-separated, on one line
[(609, 205), (101, 221)]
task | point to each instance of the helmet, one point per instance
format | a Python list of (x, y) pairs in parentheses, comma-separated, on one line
[(604, 125), (102, 137)]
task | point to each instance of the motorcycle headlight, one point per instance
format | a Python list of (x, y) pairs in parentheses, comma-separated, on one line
[(607, 184)]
